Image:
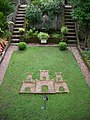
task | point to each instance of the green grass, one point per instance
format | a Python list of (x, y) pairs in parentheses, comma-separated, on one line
[(72, 106)]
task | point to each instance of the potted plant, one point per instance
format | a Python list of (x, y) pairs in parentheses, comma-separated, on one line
[(43, 37), (21, 30)]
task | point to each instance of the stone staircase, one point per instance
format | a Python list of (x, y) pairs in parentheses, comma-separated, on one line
[(19, 23), (69, 22)]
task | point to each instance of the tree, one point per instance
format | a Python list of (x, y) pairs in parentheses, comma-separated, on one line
[(33, 14), (6, 7), (81, 13)]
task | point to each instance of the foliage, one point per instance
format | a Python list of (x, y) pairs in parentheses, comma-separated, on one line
[(2, 19), (51, 7), (10, 22), (1, 31), (22, 45), (71, 106), (22, 29), (37, 10), (43, 35), (88, 40), (64, 30), (7, 34), (6, 7), (62, 45), (36, 2), (32, 32), (86, 54), (56, 35), (81, 13), (33, 14), (3, 23)]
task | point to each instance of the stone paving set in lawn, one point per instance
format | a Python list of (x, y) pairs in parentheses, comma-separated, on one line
[(11, 49), (54, 86)]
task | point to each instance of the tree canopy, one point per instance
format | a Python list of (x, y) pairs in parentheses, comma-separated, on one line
[(81, 10)]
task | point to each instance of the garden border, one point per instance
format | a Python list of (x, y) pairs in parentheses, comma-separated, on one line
[(3, 53), (85, 61), (36, 40)]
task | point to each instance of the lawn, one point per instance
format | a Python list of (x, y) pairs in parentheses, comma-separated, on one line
[(71, 106)]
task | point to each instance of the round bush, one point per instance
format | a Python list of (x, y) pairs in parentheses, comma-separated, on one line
[(62, 46), (22, 45)]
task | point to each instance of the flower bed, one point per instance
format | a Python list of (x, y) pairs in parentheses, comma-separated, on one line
[(84, 59), (36, 40), (3, 48)]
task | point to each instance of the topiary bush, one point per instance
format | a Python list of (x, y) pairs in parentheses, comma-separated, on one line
[(62, 45), (22, 45)]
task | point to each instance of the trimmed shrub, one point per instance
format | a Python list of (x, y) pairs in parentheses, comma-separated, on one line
[(62, 45), (22, 45)]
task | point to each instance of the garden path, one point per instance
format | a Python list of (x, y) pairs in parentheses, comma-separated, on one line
[(81, 64), (83, 67), (5, 62)]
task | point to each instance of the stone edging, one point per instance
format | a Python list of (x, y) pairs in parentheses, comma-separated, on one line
[(81, 64), (86, 62)]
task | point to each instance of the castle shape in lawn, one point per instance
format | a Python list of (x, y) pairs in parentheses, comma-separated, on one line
[(54, 86)]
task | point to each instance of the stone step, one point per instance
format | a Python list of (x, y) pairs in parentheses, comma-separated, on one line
[(68, 16), (67, 13), (23, 6), (69, 20), (71, 26), (21, 9), (15, 36), (69, 23), (71, 37), (72, 42), (16, 28), (16, 32), (19, 21), (18, 25), (21, 12), (15, 40), (71, 30), (67, 10), (20, 15), (20, 18), (71, 34), (68, 6)]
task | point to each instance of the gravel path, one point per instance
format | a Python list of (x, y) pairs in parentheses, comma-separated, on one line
[(83, 67)]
